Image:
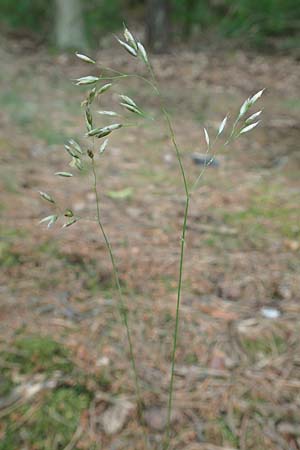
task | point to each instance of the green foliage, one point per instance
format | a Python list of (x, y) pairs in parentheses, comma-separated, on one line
[(38, 354), (251, 19), (261, 19), (52, 425), (6, 383), (9, 256), (227, 433), (26, 14), (50, 420), (102, 16), (255, 19), (191, 13), (58, 418), (267, 215), (258, 347), (38, 16)]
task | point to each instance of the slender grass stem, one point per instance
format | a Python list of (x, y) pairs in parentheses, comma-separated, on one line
[(121, 304), (181, 260), (179, 286), (176, 328), (155, 87)]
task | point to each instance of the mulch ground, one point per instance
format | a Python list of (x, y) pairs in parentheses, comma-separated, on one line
[(238, 370)]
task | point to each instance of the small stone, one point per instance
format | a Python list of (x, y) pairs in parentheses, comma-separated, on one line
[(270, 313), (115, 417), (104, 361), (168, 158)]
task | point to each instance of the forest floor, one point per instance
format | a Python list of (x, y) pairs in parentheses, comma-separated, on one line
[(66, 380)]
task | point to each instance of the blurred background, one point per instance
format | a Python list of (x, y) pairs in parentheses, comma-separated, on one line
[(70, 23), (65, 376)]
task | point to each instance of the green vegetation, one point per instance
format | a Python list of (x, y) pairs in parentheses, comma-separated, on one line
[(6, 383), (102, 17), (38, 16), (257, 20), (228, 435), (34, 354), (9, 256), (52, 420), (51, 425), (49, 135), (263, 346), (267, 215), (30, 14)]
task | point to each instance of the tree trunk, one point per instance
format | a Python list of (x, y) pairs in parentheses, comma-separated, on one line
[(158, 18), (69, 26)]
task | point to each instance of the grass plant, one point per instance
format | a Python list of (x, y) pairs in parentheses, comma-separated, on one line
[(84, 157)]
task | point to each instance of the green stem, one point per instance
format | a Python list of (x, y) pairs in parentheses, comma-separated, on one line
[(181, 260), (121, 305), (154, 85), (176, 329)]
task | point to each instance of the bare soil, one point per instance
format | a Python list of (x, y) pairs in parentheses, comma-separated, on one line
[(238, 372)]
